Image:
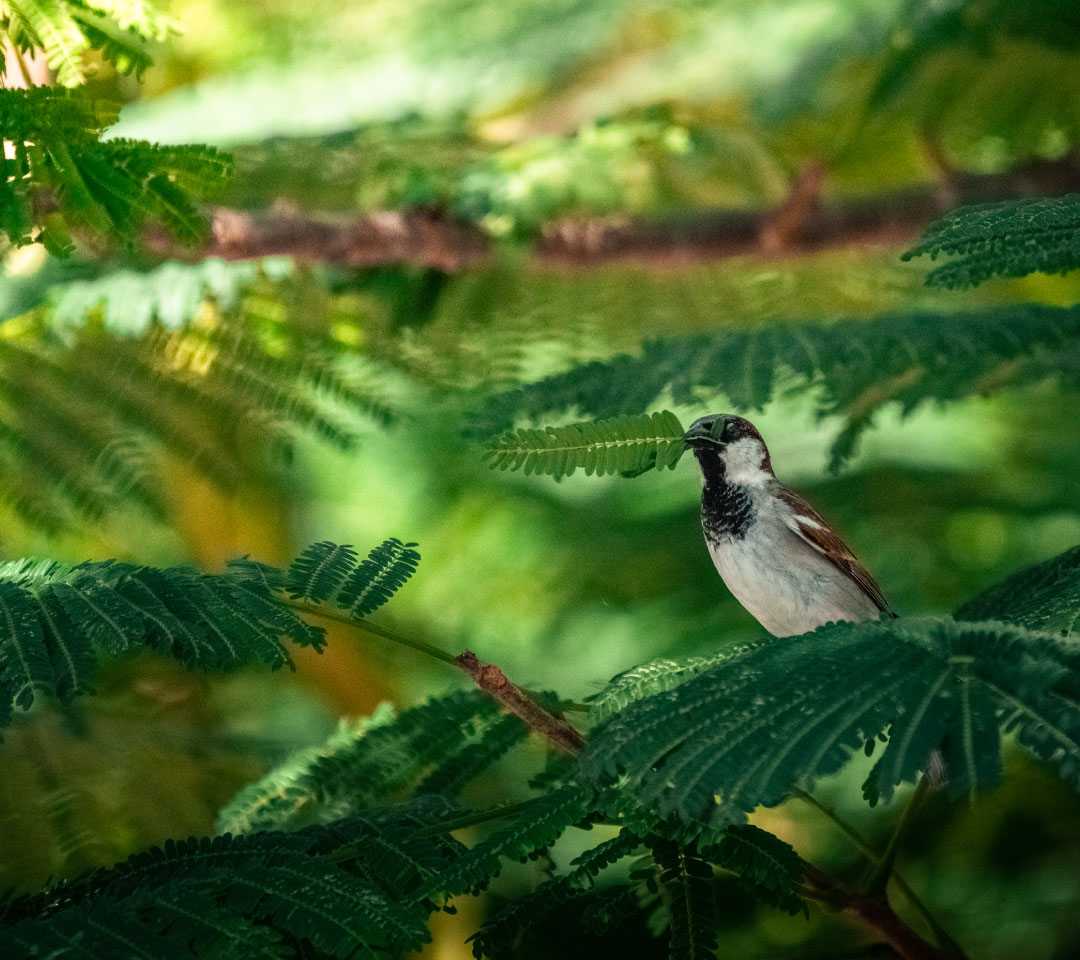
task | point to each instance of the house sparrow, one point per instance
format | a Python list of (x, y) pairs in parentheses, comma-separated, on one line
[(772, 549)]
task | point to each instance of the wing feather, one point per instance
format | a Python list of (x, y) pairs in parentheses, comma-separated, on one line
[(812, 529)]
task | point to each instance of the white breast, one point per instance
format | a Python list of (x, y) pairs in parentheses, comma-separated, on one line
[(785, 584)]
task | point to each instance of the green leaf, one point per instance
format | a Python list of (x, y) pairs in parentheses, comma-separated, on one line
[(766, 866), (1009, 239), (49, 25), (499, 934), (781, 714), (378, 577), (690, 901), (112, 187), (1043, 597), (319, 570), (540, 824), (629, 445), (854, 367), (24, 659)]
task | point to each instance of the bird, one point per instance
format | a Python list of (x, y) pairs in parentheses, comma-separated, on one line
[(774, 551)]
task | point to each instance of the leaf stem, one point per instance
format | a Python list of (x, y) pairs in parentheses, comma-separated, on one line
[(874, 857), (879, 879), (476, 817), (378, 630)]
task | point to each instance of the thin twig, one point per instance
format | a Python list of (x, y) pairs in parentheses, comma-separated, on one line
[(367, 626), (879, 879), (486, 676)]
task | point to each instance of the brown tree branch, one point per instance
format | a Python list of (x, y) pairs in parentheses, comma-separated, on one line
[(801, 224), (521, 703), (873, 912)]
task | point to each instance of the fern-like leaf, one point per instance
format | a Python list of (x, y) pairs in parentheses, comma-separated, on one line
[(747, 730), (56, 622), (361, 766), (855, 366), (499, 933), (540, 824), (378, 577), (765, 865), (112, 187), (690, 901), (24, 659), (223, 887), (1009, 239), (280, 799), (649, 678), (461, 768), (318, 571), (1043, 597), (629, 445), (49, 26)]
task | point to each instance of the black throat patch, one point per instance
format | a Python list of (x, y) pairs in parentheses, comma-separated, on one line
[(725, 507)]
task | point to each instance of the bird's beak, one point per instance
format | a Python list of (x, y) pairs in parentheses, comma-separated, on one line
[(698, 435)]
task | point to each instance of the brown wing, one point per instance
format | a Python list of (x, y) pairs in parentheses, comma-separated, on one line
[(808, 524)]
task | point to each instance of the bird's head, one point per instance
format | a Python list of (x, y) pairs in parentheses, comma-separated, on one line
[(724, 442)]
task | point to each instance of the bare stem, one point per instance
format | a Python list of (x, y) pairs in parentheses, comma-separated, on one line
[(367, 626), (879, 879)]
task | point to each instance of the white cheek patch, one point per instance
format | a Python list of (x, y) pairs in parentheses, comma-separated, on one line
[(743, 459)]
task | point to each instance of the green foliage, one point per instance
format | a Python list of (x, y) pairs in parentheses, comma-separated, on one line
[(1043, 597), (265, 895), (690, 898), (855, 366), (604, 168), (1003, 240), (283, 797), (325, 569), (533, 829), (931, 29), (85, 430), (499, 934), (369, 762), (649, 678), (629, 445), (129, 301), (57, 622), (750, 729), (64, 30), (112, 188), (766, 866)]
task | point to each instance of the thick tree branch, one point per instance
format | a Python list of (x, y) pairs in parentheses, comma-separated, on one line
[(802, 224)]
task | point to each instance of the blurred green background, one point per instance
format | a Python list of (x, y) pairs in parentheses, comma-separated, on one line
[(518, 115)]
